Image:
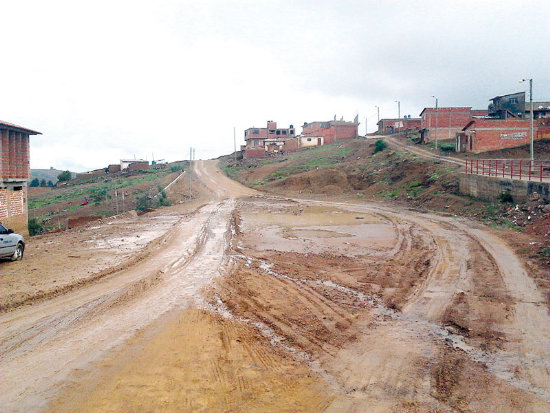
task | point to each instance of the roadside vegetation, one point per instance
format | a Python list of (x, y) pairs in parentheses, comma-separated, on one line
[(100, 196)]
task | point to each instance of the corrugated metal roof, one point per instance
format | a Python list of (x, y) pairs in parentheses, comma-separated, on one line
[(11, 126)]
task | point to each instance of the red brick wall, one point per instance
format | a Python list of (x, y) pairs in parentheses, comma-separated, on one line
[(114, 168), (331, 133), (385, 125), (489, 134), (138, 166), (446, 117), (255, 153), (13, 209), (14, 150)]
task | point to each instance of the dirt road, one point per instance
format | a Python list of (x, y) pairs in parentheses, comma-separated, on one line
[(423, 153), (257, 303)]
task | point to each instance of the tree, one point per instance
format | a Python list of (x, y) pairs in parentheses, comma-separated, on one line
[(43, 183), (64, 176), (50, 184), (35, 182), (379, 145)]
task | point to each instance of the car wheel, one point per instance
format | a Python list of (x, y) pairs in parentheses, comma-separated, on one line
[(18, 254)]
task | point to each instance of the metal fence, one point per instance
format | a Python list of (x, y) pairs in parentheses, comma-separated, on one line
[(523, 169)]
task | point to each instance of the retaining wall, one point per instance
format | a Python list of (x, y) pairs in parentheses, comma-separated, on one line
[(489, 188)]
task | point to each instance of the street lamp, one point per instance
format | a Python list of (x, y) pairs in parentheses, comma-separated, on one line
[(531, 126), (435, 132), (398, 114)]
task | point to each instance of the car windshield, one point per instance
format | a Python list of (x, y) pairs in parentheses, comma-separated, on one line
[(3, 229)]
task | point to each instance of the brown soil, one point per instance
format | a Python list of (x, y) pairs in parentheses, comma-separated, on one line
[(245, 301)]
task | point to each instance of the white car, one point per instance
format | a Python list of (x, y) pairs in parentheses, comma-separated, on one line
[(12, 245)]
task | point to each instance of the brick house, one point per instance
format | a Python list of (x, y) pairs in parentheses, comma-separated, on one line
[(481, 135), (331, 131), (391, 126), (446, 121), (268, 139), (14, 175)]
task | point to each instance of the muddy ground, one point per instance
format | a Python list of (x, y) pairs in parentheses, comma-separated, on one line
[(245, 301)]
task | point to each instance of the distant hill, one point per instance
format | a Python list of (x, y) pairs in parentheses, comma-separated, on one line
[(47, 174)]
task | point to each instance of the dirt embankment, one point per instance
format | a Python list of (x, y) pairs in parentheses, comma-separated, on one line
[(352, 171)]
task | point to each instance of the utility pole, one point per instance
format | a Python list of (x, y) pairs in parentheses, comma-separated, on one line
[(234, 144), (531, 147), (436, 107), (190, 167), (366, 127), (398, 115)]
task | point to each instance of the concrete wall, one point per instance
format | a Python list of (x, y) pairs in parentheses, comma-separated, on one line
[(489, 188), (307, 141)]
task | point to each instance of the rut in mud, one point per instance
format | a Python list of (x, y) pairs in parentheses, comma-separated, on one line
[(260, 303)]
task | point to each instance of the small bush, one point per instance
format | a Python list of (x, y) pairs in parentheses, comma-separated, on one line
[(162, 199), (143, 203), (175, 168), (447, 147), (379, 145), (506, 197), (35, 227)]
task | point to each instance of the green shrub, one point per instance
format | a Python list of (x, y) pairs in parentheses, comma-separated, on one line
[(162, 199), (175, 168), (143, 203), (379, 145), (64, 176), (35, 227), (447, 147), (506, 196)]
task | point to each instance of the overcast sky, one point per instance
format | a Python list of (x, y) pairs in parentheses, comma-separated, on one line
[(104, 80)]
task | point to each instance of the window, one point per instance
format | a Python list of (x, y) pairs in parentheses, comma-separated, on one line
[(513, 101), (272, 131), (17, 188), (256, 132), (284, 132), (292, 131), (278, 132), (309, 139)]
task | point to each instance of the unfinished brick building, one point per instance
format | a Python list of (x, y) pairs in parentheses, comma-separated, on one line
[(391, 126), (331, 131), (258, 139), (14, 175), (445, 123), (481, 135)]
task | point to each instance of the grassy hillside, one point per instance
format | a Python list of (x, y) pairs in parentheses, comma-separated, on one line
[(352, 169), (105, 195)]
